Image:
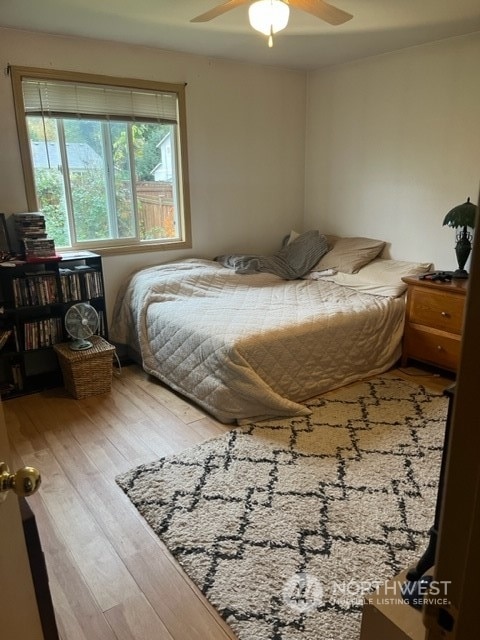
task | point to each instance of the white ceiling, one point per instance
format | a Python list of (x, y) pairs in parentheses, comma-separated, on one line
[(378, 26)]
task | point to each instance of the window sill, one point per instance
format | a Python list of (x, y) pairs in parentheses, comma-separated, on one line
[(132, 248)]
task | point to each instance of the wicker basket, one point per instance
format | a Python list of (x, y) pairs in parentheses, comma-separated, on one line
[(88, 372)]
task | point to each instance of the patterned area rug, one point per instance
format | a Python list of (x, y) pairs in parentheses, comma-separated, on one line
[(285, 524)]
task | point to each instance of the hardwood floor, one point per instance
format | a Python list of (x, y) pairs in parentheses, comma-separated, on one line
[(110, 576)]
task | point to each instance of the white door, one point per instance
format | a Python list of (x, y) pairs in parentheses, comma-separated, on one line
[(19, 618)]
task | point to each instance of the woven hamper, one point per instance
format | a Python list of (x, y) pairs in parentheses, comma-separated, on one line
[(88, 372)]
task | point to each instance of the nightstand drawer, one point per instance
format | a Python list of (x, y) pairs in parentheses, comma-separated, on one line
[(437, 309), (433, 347)]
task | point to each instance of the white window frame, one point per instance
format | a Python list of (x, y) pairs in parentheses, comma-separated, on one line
[(18, 74)]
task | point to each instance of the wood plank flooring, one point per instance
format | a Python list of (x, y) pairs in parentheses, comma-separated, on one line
[(110, 576)]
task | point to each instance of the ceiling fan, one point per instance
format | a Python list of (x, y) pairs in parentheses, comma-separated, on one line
[(271, 16)]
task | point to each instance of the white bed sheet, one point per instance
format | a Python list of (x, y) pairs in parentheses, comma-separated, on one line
[(251, 346)]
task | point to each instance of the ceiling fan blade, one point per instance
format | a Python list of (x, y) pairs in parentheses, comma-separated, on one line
[(322, 10), (219, 10)]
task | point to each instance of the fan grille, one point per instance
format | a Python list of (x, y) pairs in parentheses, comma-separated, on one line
[(81, 322)]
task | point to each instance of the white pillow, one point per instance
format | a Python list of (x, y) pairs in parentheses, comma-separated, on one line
[(382, 277)]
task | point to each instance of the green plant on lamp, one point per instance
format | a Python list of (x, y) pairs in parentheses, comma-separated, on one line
[(462, 216)]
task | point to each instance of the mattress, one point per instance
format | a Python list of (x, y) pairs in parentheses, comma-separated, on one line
[(253, 346)]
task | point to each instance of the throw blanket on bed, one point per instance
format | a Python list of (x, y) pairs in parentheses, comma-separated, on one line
[(293, 261)]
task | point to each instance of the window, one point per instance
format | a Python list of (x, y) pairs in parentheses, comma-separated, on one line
[(104, 159)]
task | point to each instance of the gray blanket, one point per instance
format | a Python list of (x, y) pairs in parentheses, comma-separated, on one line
[(293, 261)]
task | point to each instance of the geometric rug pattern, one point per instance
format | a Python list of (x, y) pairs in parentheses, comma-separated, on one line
[(285, 524)]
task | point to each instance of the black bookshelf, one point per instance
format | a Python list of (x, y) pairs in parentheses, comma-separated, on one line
[(34, 297)]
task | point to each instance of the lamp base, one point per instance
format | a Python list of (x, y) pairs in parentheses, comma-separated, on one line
[(462, 249), (460, 274)]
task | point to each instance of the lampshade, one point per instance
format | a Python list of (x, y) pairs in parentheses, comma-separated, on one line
[(269, 16), (463, 215)]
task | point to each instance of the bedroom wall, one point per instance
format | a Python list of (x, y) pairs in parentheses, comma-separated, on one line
[(393, 145), (246, 141)]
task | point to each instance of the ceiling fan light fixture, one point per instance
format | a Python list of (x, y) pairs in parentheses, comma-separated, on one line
[(269, 16)]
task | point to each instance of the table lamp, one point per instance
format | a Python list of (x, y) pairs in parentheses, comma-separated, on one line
[(462, 216)]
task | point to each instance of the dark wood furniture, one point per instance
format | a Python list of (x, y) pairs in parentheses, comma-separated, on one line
[(34, 298), (433, 323)]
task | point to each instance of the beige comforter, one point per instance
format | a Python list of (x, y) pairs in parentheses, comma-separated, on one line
[(250, 346)]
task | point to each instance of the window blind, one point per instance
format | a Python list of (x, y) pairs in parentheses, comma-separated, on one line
[(59, 99)]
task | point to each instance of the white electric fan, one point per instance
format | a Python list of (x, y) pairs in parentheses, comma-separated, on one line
[(81, 322)]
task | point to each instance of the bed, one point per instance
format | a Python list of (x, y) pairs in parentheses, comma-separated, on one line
[(251, 346)]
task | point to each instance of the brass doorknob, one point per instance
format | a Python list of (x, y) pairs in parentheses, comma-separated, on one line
[(24, 482)]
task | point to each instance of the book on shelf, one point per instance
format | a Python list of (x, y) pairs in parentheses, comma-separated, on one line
[(35, 218), (39, 248), (39, 334), (4, 336), (32, 233), (29, 215), (70, 285), (35, 245), (29, 225), (35, 289), (92, 281)]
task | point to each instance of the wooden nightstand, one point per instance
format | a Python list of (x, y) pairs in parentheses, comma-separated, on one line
[(433, 323)]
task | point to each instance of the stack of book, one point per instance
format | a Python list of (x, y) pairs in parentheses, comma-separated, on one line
[(70, 285), (32, 234), (42, 333), (35, 289)]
